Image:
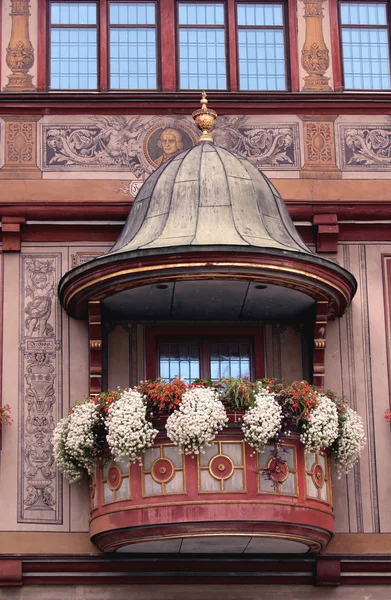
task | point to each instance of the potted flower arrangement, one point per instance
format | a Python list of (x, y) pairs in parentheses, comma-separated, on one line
[(5, 415), (124, 423)]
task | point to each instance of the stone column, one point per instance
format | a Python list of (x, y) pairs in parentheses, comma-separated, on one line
[(315, 54), (20, 52)]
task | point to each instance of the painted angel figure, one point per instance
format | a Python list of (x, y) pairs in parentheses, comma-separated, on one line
[(116, 137), (40, 286)]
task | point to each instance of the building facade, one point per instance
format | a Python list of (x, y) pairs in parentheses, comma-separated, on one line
[(95, 97)]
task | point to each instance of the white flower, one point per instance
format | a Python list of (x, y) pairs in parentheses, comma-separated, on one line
[(262, 422), (321, 429), (129, 432), (350, 442), (74, 442), (200, 416)]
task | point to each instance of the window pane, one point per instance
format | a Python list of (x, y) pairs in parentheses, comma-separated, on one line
[(363, 14), (365, 53), (201, 14), (73, 13), (132, 13), (260, 14), (73, 59), (202, 58), (179, 360), (229, 360), (132, 58), (261, 47), (261, 59)]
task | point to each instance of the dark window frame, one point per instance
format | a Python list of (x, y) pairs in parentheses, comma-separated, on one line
[(387, 4), (167, 55), (205, 336), (156, 27), (226, 41), (285, 30), (96, 27)]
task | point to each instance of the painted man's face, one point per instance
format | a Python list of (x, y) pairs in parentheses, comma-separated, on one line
[(169, 142)]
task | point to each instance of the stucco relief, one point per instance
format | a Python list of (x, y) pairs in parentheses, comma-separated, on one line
[(365, 147), (40, 347)]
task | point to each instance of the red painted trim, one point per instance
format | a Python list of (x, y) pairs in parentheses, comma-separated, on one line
[(386, 278), (150, 103), (91, 210), (293, 55), (1, 332), (11, 572), (168, 53), (103, 46), (233, 63), (70, 233), (213, 333), (336, 57), (42, 50)]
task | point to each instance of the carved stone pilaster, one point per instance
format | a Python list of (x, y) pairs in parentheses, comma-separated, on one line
[(315, 54), (39, 487), (20, 156), (20, 51), (319, 148)]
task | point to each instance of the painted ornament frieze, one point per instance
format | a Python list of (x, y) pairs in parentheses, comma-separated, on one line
[(266, 146), (365, 148), (116, 143), (138, 144), (40, 347)]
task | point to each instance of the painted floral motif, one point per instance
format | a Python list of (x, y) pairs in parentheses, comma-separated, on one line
[(368, 147)]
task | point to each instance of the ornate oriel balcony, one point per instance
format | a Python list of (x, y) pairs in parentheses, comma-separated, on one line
[(206, 232), (229, 499)]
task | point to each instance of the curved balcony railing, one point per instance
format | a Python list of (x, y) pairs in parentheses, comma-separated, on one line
[(227, 499)]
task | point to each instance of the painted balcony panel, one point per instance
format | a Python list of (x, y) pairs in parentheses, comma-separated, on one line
[(228, 499)]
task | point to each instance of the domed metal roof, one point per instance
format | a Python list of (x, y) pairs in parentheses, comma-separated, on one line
[(208, 196), (203, 219)]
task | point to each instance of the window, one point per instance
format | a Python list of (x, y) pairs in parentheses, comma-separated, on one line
[(365, 46), (204, 352), (261, 46), (202, 60), (73, 45), (204, 358), (132, 45), (168, 45)]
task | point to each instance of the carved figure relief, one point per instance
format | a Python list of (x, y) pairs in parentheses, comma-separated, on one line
[(366, 148), (315, 58), (40, 500), (20, 52)]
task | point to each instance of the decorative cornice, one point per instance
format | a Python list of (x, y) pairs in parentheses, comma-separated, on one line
[(183, 102)]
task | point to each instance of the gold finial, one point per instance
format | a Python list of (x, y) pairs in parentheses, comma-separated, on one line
[(204, 118)]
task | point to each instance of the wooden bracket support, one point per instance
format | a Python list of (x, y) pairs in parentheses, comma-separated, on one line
[(320, 343), (10, 572), (10, 230), (328, 572), (327, 232), (95, 346)]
